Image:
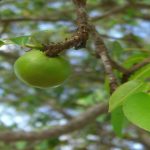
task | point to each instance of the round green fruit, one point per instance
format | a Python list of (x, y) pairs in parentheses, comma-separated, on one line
[(38, 70)]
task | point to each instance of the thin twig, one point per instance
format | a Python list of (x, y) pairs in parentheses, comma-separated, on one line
[(134, 68), (117, 66), (22, 19), (121, 9), (111, 12), (101, 51)]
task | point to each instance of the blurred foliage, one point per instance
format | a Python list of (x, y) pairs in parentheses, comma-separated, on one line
[(25, 108)]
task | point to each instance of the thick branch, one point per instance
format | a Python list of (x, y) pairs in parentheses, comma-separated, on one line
[(75, 124), (79, 38)]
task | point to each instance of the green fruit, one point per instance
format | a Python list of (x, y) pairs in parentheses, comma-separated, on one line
[(38, 70)]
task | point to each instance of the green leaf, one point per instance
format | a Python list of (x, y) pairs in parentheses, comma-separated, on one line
[(21, 40), (117, 49), (124, 91), (41, 37), (106, 85), (142, 73), (20, 145), (1, 43), (118, 120), (101, 118), (91, 98), (92, 1), (137, 110)]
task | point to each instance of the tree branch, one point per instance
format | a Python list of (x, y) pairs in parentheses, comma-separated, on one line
[(117, 65), (138, 66), (79, 38), (46, 19), (105, 15), (122, 9), (134, 68), (110, 13), (101, 51), (75, 124)]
